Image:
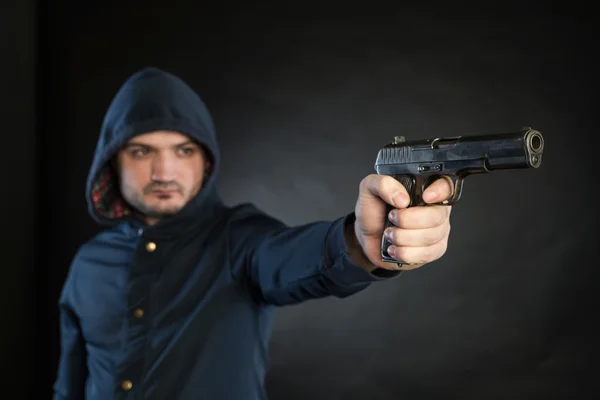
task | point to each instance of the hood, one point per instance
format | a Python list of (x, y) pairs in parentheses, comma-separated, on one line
[(149, 100)]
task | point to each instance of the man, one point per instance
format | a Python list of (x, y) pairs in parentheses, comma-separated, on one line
[(175, 299)]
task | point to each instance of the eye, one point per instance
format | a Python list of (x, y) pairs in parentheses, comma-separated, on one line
[(139, 152), (186, 151)]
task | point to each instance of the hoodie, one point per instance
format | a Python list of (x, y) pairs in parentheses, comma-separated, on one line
[(183, 309)]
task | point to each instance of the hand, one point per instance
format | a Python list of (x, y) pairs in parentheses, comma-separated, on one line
[(419, 235)]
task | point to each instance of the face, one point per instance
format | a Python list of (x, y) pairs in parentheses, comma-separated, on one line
[(160, 172)]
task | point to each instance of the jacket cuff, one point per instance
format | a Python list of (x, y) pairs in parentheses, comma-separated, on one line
[(339, 266)]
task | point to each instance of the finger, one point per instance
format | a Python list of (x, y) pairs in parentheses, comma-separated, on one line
[(386, 188), (419, 217), (419, 255), (439, 190), (417, 237)]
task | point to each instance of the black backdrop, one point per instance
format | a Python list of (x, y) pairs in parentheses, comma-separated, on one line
[(302, 99)]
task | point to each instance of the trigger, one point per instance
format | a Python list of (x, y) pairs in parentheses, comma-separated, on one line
[(457, 185)]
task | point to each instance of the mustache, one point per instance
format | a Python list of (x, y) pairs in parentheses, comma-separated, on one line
[(170, 186)]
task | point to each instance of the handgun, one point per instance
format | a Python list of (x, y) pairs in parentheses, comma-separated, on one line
[(417, 164)]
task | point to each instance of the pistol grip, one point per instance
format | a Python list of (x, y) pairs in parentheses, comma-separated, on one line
[(415, 185)]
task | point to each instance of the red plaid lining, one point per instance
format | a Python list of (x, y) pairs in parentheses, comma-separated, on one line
[(105, 196)]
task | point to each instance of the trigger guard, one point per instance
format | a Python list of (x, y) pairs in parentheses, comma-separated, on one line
[(457, 185)]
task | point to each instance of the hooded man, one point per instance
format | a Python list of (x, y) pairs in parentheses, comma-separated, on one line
[(174, 300)]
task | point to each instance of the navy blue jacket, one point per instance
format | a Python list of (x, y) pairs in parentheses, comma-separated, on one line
[(183, 309)]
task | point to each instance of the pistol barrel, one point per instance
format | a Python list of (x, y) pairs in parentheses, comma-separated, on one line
[(523, 151), (489, 152)]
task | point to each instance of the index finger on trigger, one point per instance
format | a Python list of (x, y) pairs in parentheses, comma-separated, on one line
[(440, 190)]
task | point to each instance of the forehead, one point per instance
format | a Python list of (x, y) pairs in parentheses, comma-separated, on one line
[(160, 138)]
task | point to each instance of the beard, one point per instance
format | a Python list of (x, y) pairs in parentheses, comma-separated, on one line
[(155, 212), (159, 208)]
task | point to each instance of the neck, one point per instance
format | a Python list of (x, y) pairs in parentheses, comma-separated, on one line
[(148, 221)]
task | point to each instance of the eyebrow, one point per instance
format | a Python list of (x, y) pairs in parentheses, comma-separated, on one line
[(134, 144)]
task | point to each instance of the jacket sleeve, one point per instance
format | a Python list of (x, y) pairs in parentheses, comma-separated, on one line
[(72, 364), (287, 265)]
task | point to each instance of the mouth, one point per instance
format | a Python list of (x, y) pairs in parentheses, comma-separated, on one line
[(164, 191), (164, 194)]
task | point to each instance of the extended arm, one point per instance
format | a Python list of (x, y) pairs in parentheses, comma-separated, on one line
[(287, 265)]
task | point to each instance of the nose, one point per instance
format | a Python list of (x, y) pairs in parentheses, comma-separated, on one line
[(164, 168)]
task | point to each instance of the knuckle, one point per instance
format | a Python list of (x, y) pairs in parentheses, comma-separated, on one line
[(442, 247), (431, 253), (440, 216), (445, 232), (402, 218), (401, 237), (403, 254), (428, 254), (419, 255), (406, 238), (434, 236), (364, 183), (371, 180)]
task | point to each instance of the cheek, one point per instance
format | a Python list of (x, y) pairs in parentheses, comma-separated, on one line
[(194, 171), (132, 178)]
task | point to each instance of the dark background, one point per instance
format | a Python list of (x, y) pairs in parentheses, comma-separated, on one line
[(303, 98)]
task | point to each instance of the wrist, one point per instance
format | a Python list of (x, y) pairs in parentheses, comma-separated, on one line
[(355, 250)]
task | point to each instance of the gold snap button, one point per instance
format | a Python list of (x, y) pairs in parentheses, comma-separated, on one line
[(150, 246), (139, 313), (126, 385)]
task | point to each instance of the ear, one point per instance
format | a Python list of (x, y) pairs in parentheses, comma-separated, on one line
[(208, 162), (113, 164)]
